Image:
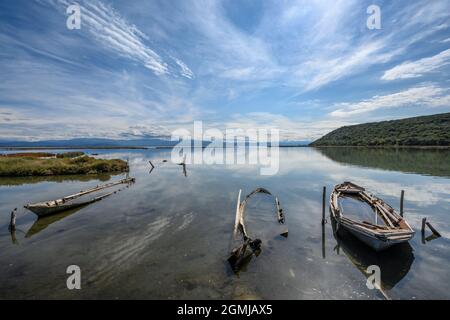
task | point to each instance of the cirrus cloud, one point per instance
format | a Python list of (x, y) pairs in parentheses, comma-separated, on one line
[(418, 68), (427, 95)]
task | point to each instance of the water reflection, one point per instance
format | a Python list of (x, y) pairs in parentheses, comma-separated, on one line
[(394, 262), (434, 162), (168, 236), (43, 222), (18, 181)]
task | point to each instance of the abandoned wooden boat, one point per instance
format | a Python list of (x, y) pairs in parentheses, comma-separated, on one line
[(388, 228), (70, 202), (243, 247)]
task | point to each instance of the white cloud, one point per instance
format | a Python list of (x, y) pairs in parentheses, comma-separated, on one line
[(228, 51), (325, 71), (185, 71), (113, 32), (291, 128), (428, 95), (418, 68), (333, 46)]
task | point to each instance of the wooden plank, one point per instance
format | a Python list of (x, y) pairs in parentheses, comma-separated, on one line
[(433, 229)]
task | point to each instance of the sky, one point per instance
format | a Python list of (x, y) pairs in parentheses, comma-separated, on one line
[(144, 68)]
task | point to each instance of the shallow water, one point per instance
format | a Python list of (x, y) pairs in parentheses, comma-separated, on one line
[(168, 235)]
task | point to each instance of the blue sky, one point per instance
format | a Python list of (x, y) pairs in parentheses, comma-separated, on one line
[(144, 68)]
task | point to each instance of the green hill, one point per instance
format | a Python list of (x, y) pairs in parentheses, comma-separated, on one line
[(431, 130)]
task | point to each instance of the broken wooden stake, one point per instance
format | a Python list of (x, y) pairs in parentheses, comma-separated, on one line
[(151, 164), (402, 198), (433, 229), (12, 222), (323, 205), (435, 234)]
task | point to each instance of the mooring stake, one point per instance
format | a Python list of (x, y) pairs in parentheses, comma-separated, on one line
[(323, 242), (323, 205), (424, 220), (402, 198)]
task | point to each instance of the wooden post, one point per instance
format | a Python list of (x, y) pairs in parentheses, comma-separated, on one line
[(323, 205), (402, 198), (424, 220), (323, 242), (12, 222)]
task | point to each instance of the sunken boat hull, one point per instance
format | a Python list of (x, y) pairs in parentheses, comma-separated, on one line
[(47, 208), (44, 210), (379, 237)]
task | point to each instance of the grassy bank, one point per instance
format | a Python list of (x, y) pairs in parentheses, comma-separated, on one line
[(61, 164)]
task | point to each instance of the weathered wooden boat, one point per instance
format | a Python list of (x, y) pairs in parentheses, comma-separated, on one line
[(73, 201), (389, 227), (243, 247)]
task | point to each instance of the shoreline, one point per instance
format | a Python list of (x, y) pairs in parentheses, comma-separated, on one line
[(72, 148), (385, 147), (171, 147)]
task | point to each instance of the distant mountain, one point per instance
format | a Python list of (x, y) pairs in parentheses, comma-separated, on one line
[(296, 143), (98, 142), (431, 130), (88, 142)]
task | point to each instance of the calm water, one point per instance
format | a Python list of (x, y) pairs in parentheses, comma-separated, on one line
[(168, 236)]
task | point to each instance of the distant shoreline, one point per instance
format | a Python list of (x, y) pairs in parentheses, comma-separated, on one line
[(170, 147), (70, 148), (385, 147)]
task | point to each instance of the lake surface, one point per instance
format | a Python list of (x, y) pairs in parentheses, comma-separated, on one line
[(168, 235)]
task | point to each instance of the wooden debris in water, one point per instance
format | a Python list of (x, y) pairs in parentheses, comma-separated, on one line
[(433, 229), (184, 165), (241, 253), (432, 237)]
